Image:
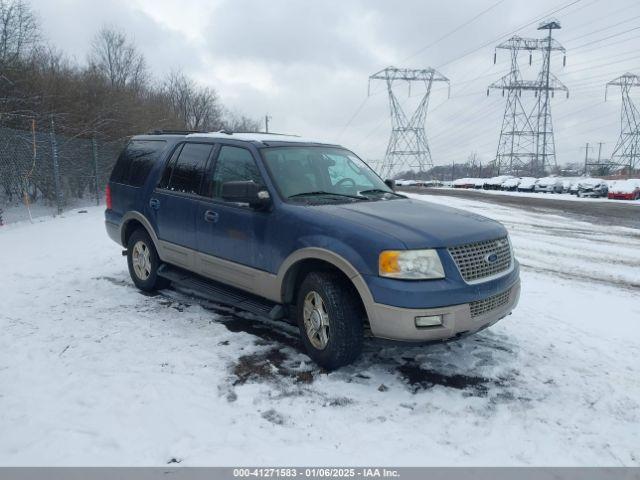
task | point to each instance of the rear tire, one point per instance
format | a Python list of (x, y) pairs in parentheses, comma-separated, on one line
[(143, 262), (330, 319)]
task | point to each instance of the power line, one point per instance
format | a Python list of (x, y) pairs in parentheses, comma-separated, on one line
[(491, 42), (355, 114), (605, 38), (458, 28)]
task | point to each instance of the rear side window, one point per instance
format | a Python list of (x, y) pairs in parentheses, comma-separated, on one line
[(135, 161), (234, 164), (186, 168)]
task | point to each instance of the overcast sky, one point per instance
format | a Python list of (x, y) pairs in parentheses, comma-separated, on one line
[(306, 63)]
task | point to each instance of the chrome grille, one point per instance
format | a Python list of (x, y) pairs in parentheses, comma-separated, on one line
[(473, 262), (486, 305)]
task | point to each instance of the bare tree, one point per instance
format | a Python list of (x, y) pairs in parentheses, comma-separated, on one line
[(19, 32), (241, 123), (197, 108), (117, 58)]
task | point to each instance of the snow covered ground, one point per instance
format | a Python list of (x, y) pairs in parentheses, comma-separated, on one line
[(92, 372)]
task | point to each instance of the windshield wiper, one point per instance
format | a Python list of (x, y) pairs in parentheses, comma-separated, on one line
[(379, 190), (322, 192)]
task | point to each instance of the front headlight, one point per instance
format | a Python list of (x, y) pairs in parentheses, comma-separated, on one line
[(410, 264)]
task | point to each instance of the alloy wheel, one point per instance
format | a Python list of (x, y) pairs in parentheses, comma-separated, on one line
[(316, 320), (141, 260)]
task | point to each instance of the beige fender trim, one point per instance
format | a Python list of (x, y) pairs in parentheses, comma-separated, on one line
[(315, 253)]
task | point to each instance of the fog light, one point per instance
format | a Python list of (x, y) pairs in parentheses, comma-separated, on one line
[(430, 321)]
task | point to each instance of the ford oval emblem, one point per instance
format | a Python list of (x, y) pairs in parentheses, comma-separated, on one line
[(491, 258)]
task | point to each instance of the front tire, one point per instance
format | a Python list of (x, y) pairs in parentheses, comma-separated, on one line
[(143, 262), (330, 319)]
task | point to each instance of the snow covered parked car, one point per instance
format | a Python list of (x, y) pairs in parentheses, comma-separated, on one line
[(592, 187), (625, 189), (549, 185), (495, 183), (567, 182), (406, 183), (511, 184), (573, 188), (479, 183), (527, 184), (464, 183)]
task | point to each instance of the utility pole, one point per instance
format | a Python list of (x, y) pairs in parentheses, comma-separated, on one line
[(408, 140), (96, 183), (600, 151), (56, 165), (266, 123), (586, 159)]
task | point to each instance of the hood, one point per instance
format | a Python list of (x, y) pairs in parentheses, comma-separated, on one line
[(625, 186), (419, 224), (528, 182), (591, 183), (547, 181)]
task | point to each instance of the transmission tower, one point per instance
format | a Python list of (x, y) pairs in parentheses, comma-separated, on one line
[(408, 146), (626, 153), (517, 143), (526, 139)]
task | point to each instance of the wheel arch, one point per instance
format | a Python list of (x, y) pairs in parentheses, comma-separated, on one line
[(305, 260), (131, 221)]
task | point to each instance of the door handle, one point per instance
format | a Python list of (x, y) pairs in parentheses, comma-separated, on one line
[(211, 216), (154, 203)]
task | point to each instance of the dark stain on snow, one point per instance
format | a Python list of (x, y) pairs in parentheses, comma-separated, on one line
[(258, 366), (267, 366), (420, 378), (115, 281), (274, 417), (268, 333)]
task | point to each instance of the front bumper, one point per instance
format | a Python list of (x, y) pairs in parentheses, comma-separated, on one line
[(591, 193), (397, 323)]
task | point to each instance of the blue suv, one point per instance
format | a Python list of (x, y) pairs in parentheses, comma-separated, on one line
[(287, 227)]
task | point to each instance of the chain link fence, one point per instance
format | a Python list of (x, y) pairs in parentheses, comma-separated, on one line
[(45, 173)]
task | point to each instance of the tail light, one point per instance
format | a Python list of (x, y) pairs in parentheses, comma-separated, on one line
[(108, 196)]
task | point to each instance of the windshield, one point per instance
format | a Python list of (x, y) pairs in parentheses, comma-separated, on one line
[(328, 172)]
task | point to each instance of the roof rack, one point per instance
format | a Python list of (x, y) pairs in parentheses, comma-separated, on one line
[(270, 133), (173, 132)]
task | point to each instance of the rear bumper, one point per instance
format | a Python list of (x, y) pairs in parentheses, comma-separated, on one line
[(396, 323), (113, 230)]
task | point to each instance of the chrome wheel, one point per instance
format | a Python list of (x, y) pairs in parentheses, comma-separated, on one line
[(141, 260), (316, 320)]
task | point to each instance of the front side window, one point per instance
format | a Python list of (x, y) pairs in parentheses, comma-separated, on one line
[(186, 169), (234, 164), (301, 172)]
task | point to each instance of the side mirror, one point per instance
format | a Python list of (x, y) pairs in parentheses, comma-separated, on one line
[(390, 183), (246, 192)]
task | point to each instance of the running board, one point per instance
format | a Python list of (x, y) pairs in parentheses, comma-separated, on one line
[(219, 293)]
